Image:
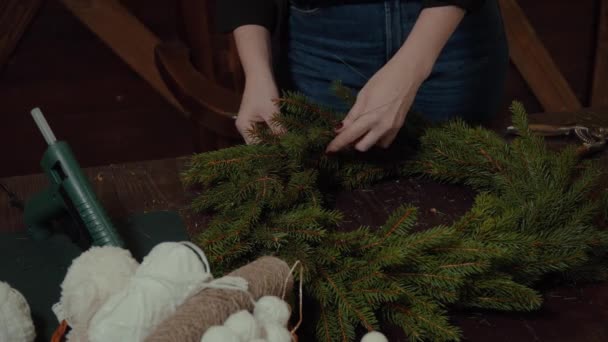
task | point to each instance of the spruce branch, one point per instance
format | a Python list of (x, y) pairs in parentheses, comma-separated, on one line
[(534, 216)]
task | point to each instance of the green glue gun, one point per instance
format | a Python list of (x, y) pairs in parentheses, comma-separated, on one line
[(70, 192)]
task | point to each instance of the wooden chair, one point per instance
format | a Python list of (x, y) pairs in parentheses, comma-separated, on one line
[(15, 17), (205, 76)]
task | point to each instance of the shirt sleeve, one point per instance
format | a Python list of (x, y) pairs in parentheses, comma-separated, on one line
[(467, 5), (230, 14)]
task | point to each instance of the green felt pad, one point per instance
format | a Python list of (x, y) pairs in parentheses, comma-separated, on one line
[(37, 268)]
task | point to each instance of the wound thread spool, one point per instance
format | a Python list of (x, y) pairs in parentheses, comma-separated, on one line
[(211, 307)]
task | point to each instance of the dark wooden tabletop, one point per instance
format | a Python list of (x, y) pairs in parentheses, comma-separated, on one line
[(569, 314), (123, 189)]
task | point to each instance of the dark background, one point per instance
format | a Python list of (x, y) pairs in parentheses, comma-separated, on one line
[(109, 115)]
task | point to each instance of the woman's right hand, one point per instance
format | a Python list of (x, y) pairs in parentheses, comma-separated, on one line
[(258, 106)]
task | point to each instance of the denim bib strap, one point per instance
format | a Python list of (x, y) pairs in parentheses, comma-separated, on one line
[(311, 4), (352, 41)]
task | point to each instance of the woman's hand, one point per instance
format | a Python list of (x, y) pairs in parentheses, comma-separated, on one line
[(257, 106), (384, 101), (254, 48), (380, 109)]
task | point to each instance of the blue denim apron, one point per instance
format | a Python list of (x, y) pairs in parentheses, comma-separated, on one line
[(352, 40)]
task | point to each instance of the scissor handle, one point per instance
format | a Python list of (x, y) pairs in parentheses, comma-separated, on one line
[(545, 130), (551, 129)]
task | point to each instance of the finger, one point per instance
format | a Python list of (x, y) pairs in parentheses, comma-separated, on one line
[(244, 127), (354, 113), (349, 135), (275, 127), (368, 140), (388, 138)]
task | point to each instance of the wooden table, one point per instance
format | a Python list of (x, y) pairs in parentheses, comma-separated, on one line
[(123, 189), (569, 314)]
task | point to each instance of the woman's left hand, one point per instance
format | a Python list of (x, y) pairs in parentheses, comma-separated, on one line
[(384, 101), (380, 109)]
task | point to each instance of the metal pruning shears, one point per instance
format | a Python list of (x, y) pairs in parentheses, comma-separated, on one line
[(593, 139)]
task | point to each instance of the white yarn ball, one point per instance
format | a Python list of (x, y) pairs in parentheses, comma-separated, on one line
[(15, 319), (277, 333), (168, 275), (173, 260), (77, 334), (258, 340), (92, 278), (272, 310), (374, 336), (244, 325), (220, 333)]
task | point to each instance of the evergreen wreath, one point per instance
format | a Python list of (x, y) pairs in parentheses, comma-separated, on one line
[(533, 216)]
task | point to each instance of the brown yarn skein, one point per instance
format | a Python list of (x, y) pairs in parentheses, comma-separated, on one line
[(266, 277)]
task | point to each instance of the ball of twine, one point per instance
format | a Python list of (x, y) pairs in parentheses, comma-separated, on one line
[(209, 307)]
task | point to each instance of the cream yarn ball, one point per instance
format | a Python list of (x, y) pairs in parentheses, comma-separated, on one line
[(276, 333), (16, 323), (272, 310), (244, 325), (267, 324), (167, 276), (220, 333), (92, 278), (374, 336)]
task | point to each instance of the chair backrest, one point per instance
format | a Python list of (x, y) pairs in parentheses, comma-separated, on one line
[(204, 74), (15, 18), (213, 54)]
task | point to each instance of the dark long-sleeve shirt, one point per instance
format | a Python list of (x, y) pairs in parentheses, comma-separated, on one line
[(231, 14)]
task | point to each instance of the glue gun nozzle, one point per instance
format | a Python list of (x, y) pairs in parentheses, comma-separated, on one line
[(44, 127)]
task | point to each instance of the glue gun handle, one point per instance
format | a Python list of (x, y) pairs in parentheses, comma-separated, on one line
[(93, 218)]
